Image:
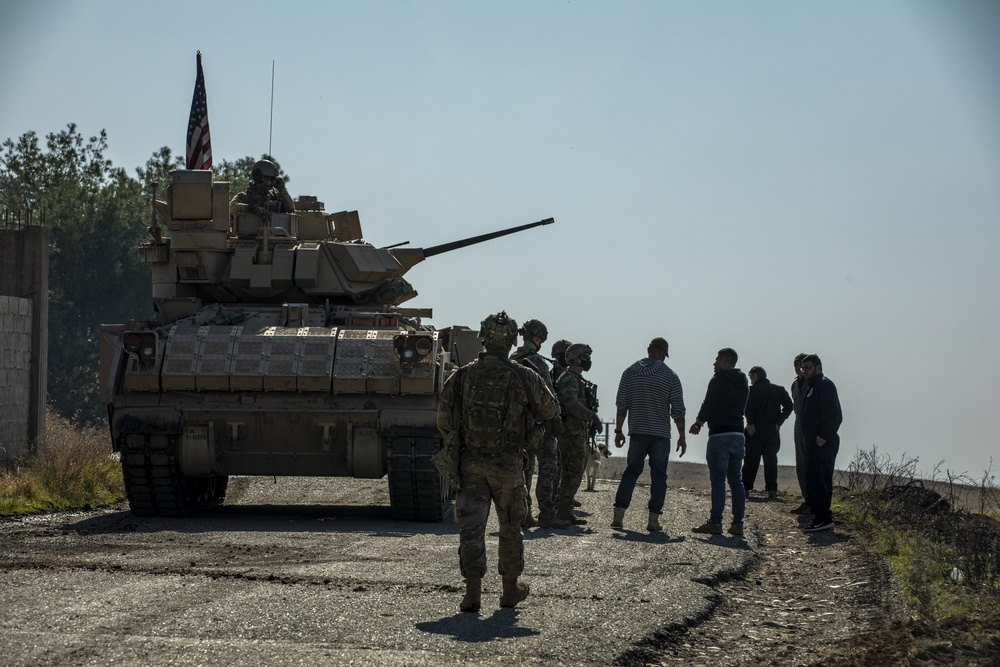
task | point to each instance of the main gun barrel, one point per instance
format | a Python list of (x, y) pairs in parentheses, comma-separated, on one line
[(455, 245)]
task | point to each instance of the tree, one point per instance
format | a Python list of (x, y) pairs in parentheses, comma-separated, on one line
[(95, 215)]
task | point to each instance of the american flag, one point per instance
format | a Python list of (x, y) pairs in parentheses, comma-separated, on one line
[(199, 143)]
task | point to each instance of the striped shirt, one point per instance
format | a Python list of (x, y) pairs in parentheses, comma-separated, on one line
[(650, 393)]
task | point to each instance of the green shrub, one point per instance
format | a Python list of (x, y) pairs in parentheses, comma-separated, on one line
[(72, 468)]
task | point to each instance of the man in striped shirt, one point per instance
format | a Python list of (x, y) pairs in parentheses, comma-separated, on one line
[(650, 395)]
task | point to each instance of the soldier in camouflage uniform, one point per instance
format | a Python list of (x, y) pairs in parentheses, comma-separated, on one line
[(265, 194), (578, 419), (493, 402), (559, 358), (534, 334)]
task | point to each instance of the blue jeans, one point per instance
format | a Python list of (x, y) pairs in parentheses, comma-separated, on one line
[(658, 450), (725, 462)]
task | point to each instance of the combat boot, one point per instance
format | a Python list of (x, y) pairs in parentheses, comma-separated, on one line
[(653, 525), (513, 592), (553, 522), (473, 593), (617, 522), (569, 516), (529, 521)]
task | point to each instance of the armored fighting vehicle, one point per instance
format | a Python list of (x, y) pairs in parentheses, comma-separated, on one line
[(279, 349)]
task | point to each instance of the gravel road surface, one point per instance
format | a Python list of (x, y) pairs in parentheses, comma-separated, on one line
[(313, 571)]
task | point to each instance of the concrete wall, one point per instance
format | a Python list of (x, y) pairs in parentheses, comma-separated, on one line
[(15, 375), (24, 337)]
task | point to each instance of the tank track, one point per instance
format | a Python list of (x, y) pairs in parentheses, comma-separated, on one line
[(154, 484), (417, 492)]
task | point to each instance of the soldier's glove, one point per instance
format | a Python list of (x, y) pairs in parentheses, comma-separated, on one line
[(262, 213), (595, 424), (279, 183)]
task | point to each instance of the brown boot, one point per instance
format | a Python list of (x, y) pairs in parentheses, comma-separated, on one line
[(617, 522), (653, 525), (564, 511), (513, 592), (529, 521), (473, 593), (553, 523)]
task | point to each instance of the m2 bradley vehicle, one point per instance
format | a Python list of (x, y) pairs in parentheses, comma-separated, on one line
[(279, 349)]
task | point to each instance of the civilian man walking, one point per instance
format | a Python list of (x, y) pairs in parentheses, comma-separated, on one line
[(650, 395), (725, 400)]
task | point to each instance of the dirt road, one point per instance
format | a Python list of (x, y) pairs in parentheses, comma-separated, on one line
[(312, 571)]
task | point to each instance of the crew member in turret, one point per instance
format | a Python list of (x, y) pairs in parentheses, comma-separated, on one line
[(265, 193)]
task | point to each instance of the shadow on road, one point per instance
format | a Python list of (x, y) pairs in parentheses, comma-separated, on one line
[(465, 627)]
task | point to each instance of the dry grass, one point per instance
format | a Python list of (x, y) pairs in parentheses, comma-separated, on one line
[(73, 469)]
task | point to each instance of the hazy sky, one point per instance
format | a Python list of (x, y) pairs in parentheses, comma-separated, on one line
[(775, 177)]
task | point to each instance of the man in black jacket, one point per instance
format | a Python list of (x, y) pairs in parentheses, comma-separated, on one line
[(768, 406), (821, 419), (723, 408)]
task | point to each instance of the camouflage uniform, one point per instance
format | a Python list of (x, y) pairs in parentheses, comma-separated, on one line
[(573, 447), (499, 477), (256, 200), (548, 451)]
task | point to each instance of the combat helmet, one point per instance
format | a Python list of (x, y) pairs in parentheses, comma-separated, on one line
[(262, 168), (498, 331), (580, 351), (559, 350), (534, 328)]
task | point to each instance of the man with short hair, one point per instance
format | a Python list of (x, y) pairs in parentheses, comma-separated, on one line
[(725, 401), (798, 395), (650, 395), (768, 406), (492, 402), (821, 419)]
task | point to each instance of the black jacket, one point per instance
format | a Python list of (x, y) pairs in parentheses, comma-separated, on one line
[(769, 405), (724, 402), (821, 413)]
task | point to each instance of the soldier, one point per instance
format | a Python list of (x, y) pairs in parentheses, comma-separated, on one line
[(534, 334), (578, 420), (265, 194), (559, 359), (492, 403)]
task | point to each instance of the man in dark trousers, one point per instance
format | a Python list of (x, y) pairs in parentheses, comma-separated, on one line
[(798, 395), (821, 418), (725, 401), (768, 406)]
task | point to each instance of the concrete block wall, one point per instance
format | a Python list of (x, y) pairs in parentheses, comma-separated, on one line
[(15, 375), (24, 278)]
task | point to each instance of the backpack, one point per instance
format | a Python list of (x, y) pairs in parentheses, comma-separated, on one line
[(494, 418)]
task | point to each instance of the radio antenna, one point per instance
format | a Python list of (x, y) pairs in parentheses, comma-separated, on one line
[(270, 127)]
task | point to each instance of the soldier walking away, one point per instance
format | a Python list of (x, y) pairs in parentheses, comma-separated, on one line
[(650, 395), (821, 419), (767, 409), (265, 193), (725, 401), (533, 334), (578, 419), (492, 403)]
